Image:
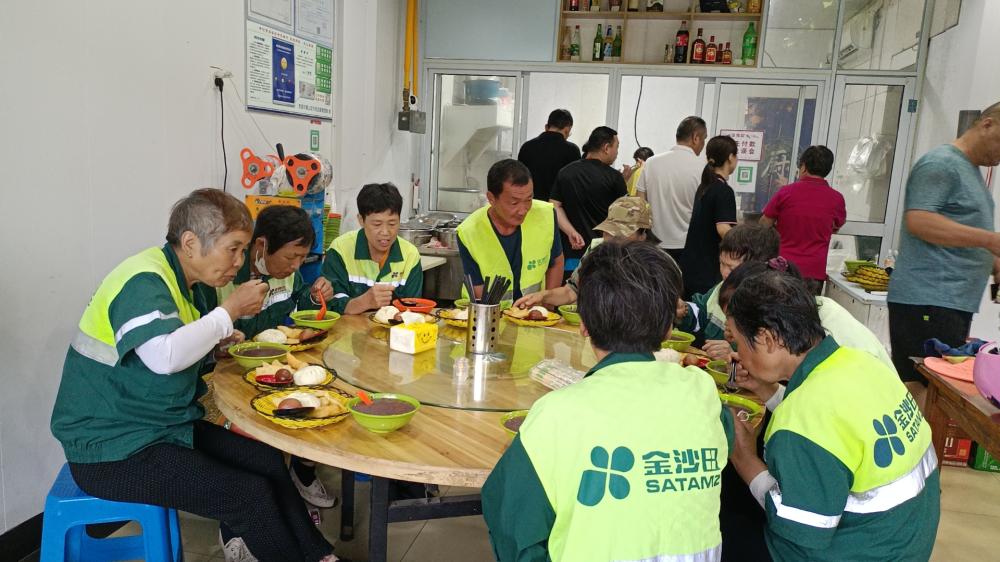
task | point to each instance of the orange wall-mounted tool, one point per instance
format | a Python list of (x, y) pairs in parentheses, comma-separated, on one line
[(301, 171), (254, 168)]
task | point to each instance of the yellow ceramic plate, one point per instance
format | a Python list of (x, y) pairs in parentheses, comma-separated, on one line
[(371, 318), (552, 320), (251, 377), (264, 405), (446, 315)]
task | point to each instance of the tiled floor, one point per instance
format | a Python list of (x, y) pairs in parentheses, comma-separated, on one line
[(969, 529)]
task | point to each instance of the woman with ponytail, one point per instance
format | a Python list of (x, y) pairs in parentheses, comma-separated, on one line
[(714, 214)]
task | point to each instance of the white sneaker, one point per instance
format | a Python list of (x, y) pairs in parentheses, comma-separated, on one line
[(236, 550), (314, 493)]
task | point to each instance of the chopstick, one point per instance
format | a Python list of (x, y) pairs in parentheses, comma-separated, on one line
[(731, 383), (469, 288)]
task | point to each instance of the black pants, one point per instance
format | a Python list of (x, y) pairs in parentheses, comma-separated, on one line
[(240, 482), (911, 325), (741, 518)]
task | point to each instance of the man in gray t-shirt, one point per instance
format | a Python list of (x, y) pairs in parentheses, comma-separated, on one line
[(948, 247)]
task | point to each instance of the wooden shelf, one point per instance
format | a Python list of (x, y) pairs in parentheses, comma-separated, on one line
[(660, 15), (713, 16), (595, 15)]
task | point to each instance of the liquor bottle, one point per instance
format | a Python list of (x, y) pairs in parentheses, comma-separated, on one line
[(609, 46), (633, 5), (574, 45), (711, 51), (750, 46), (595, 5), (564, 51), (616, 45), (654, 5), (574, 5), (616, 5), (681, 43), (598, 51), (698, 49), (727, 55), (753, 6)]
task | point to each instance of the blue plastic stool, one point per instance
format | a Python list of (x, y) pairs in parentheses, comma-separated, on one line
[(68, 509)]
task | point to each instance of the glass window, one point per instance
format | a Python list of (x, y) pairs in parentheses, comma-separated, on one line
[(846, 247), (800, 34), (881, 34), (866, 147), (475, 129), (584, 95), (772, 113), (650, 109)]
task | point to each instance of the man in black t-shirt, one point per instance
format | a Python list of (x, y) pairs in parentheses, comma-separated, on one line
[(547, 153), (584, 190)]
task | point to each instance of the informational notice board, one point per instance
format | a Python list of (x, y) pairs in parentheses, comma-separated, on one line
[(289, 56)]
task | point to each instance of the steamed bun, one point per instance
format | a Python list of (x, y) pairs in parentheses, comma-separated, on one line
[(271, 336)]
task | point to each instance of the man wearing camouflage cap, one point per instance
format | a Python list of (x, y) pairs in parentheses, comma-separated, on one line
[(629, 218)]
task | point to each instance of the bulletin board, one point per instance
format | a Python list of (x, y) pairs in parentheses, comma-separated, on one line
[(289, 56)]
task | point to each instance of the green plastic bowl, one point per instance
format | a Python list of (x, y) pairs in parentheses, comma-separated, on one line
[(719, 371), (509, 416), (383, 424), (570, 314), (248, 362), (852, 265), (679, 341), (752, 408), (464, 303), (307, 318)]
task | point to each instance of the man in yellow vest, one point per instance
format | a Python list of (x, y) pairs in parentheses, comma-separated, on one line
[(514, 236), (849, 472), (368, 265), (625, 464)]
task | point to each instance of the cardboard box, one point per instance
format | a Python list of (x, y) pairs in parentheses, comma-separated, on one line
[(957, 446), (981, 460)]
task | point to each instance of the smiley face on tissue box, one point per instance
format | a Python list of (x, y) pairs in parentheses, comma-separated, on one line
[(413, 338)]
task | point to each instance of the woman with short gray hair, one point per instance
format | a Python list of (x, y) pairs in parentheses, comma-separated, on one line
[(127, 412)]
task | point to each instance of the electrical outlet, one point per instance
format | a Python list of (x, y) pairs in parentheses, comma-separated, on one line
[(221, 73)]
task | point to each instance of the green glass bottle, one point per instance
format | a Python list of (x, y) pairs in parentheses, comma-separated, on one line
[(750, 46), (598, 51), (616, 45)]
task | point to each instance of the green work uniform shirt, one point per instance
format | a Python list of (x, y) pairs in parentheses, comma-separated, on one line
[(107, 413), (346, 289)]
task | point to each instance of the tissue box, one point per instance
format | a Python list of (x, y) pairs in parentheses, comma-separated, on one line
[(413, 338)]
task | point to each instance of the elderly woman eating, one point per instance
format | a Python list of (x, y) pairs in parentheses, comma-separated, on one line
[(127, 413)]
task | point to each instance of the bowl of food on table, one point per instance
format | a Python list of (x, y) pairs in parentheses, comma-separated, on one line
[(253, 354), (288, 373), (297, 338), (389, 316), (307, 319), (457, 317), (511, 421), (537, 316), (385, 412), (678, 341), (569, 314), (424, 306), (301, 408)]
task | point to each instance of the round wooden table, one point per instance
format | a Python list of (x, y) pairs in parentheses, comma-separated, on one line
[(454, 440)]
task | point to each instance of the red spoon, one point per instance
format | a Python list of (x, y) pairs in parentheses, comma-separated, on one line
[(364, 397), (322, 308)]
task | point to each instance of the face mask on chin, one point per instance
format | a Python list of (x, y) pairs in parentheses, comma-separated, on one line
[(260, 263)]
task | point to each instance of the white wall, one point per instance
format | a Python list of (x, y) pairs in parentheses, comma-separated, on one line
[(961, 74), (113, 117)]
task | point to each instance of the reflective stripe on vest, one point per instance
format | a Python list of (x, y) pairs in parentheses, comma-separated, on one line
[(876, 500), (901, 490), (711, 555), (477, 235), (96, 338), (366, 272), (649, 475), (856, 408)]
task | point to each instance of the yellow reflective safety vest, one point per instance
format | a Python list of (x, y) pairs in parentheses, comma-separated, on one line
[(639, 480), (96, 338), (537, 231), (859, 411)]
